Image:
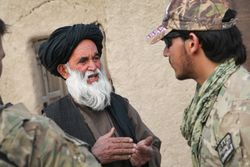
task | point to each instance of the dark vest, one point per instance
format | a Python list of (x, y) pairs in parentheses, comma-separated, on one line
[(65, 113)]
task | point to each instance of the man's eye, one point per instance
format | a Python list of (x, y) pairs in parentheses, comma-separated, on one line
[(96, 58), (83, 61)]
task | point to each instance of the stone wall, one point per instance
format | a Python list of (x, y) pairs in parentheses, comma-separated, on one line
[(139, 71)]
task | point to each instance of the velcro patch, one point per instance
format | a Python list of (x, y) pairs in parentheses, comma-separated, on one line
[(225, 148)]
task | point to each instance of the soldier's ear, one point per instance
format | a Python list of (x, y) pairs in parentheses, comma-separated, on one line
[(62, 70), (193, 43)]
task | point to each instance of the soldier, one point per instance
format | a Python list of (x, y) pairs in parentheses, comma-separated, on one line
[(32, 140), (203, 43)]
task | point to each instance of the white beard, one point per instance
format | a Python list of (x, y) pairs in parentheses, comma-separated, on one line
[(95, 95)]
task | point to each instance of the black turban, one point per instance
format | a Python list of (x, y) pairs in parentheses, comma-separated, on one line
[(61, 43)]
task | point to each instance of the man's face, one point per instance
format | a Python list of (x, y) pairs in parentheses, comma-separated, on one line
[(2, 54), (85, 57), (85, 79), (178, 58)]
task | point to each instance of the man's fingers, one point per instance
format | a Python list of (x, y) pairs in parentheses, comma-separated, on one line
[(120, 157), (121, 140), (109, 134), (123, 151), (124, 145), (148, 141), (115, 148)]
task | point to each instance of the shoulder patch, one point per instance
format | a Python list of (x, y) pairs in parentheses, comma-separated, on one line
[(225, 148)]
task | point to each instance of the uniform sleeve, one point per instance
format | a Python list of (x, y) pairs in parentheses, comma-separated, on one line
[(54, 148), (237, 123), (30, 141), (142, 131)]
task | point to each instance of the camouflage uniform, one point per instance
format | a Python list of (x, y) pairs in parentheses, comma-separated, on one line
[(33, 141), (225, 138), (229, 115)]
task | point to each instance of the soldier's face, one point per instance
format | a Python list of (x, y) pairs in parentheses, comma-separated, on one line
[(175, 50), (2, 55)]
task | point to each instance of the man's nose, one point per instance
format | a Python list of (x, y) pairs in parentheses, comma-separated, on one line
[(166, 52), (92, 66)]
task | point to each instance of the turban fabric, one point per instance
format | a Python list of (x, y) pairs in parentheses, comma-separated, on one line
[(62, 42)]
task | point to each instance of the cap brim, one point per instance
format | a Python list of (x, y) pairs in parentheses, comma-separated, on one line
[(157, 34)]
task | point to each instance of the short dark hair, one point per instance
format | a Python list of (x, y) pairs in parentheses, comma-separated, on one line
[(220, 45), (3, 27)]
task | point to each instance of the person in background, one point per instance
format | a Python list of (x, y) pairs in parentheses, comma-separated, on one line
[(28, 140), (203, 43)]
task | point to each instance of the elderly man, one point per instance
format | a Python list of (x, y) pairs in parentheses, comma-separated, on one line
[(31, 140), (92, 112), (203, 43)]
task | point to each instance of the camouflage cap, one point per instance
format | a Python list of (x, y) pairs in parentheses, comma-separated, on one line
[(192, 15)]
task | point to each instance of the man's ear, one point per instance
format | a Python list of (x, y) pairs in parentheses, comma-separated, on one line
[(194, 44), (61, 68)]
